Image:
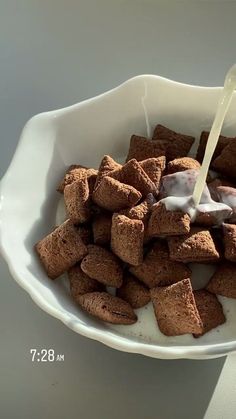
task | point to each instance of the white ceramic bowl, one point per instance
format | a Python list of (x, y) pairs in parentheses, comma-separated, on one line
[(83, 133)]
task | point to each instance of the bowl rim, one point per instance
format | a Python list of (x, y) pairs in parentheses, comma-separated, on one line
[(122, 343)]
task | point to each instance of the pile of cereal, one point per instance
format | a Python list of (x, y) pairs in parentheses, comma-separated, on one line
[(119, 233)]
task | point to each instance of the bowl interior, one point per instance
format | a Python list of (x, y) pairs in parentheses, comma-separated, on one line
[(82, 134)]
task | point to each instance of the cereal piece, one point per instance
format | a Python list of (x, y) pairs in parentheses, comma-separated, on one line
[(223, 281), (167, 223), (102, 265), (221, 144), (229, 231), (134, 292), (212, 214), (141, 212), (196, 246), (154, 167), (80, 283), (133, 174), (141, 148), (127, 239), (210, 311), (213, 187), (61, 249), (77, 201), (102, 229), (205, 219), (176, 144), (175, 309), (225, 163), (181, 164), (85, 233), (75, 172), (158, 269), (227, 195), (108, 308), (107, 165), (113, 195)]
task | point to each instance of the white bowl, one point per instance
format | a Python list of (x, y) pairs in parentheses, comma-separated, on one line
[(83, 133)]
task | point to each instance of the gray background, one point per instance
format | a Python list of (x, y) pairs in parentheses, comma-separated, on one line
[(54, 53)]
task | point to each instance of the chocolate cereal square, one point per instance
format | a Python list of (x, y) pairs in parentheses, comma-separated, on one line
[(113, 195), (210, 311), (76, 172), (176, 144), (158, 269), (108, 308), (134, 292), (107, 165), (140, 211), (167, 223), (175, 309), (196, 246), (102, 265), (141, 148), (80, 283), (154, 167), (77, 201), (102, 229), (134, 175), (221, 144), (225, 163), (127, 239), (223, 281), (229, 231), (181, 164), (61, 249)]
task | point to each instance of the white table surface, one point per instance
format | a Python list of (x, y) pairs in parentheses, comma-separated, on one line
[(54, 53)]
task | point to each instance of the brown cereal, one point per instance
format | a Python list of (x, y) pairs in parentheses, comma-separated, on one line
[(154, 167), (196, 246), (141, 211), (210, 311), (229, 231), (223, 281), (75, 172), (158, 269), (133, 174), (102, 265), (142, 148), (113, 195), (133, 291), (61, 249), (108, 308), (175, 309), (85, 233), (176, 145), (80, 283), (102, 229), (107, 165), (181, 164), (225, 163), (221, 144), (127, 239), (215, 184), (77, 201), (167, 223)]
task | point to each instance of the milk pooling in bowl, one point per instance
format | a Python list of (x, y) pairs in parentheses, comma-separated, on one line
[(178, 189), (188, 191)]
